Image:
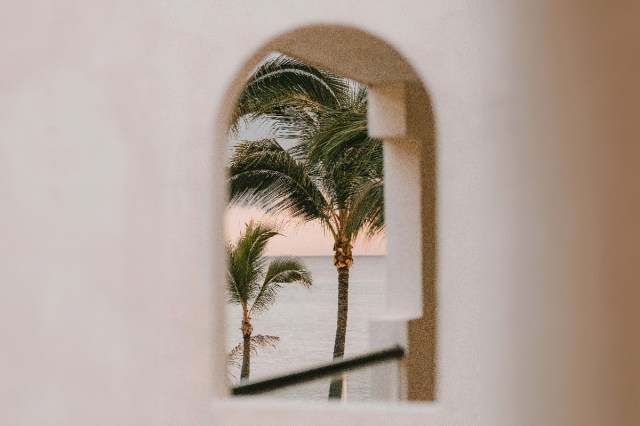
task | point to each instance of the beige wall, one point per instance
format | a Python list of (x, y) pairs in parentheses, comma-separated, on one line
[(565, 184), (111, 190)]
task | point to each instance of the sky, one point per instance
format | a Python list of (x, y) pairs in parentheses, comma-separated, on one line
[(296, 239)]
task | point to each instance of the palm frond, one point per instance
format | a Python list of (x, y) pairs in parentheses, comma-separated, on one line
[(263, 174), (283, 270), (344, 155), (367, 211), (259, 342), (246, 262), (283, 87), (343, 134), (236, 291)]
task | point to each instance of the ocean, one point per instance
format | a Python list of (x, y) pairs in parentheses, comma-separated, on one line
[(305, 321)]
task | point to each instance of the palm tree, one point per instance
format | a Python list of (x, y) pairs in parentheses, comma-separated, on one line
[(255, 289), (334, 173)]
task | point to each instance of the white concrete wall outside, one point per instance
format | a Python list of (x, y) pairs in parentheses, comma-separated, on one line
[(110, 177)]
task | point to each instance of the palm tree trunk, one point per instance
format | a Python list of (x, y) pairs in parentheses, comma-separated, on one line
[(335, 390), (247, 329), (246, 357)]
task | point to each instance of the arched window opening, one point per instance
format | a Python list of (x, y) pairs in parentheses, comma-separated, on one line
[(398, 309)]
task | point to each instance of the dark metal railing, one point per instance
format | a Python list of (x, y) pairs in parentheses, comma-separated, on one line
[(326, 370)]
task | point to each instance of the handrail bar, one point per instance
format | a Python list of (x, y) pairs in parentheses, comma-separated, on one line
[(329, 369)]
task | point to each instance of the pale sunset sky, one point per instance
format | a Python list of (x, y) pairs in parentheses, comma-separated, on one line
[(299, 240)]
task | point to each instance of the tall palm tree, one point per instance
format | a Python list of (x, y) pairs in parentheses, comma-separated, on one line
[(333, 175), (255, 288)]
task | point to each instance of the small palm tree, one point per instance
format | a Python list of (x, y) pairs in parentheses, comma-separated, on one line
[(254, 286)]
